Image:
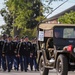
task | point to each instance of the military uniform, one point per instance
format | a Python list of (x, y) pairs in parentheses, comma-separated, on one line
[(9, 51), (16, 60), (24, 52), (19, 53), (3, 56), (1, 47), (29, 54), (35, 56)]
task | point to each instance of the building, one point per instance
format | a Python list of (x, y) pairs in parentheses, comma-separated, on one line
[(54, 19)]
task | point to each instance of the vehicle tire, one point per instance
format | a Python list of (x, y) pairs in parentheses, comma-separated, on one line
[(42, 69), (62, 65)]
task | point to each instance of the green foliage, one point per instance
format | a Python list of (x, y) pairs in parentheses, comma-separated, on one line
[(23, 15), (30, 32), (25, 12), (8, 20), (68, 18)]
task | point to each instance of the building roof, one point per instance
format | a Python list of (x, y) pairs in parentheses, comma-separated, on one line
[(62, 13)]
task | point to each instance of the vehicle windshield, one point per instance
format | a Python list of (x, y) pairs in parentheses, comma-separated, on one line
[(64, 32)]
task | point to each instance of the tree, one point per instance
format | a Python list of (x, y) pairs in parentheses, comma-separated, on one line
[(8, 20), (25, 14), (30, 32), (68, 18)]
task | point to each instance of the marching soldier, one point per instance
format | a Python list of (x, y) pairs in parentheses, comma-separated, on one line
[(25, 48), (28, 53), (16, 58), (1, 47), (20, 53), (4, 40), (9, 51), (34, 53)]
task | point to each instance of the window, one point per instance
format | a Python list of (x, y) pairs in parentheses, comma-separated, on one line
[(69, 33), (64, 32)]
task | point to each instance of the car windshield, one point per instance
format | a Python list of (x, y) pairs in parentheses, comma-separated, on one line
[(64, 32)]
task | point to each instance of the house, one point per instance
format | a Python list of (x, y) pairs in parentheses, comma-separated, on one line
[(54, 19)]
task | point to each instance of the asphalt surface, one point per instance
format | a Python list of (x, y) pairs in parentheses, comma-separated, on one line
[(29, 72), (52, 72)]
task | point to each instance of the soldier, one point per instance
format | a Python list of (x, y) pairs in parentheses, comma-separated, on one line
[(19, 54), (16, 58), (9, 51), (34, 53), (4, 40), (1, 46), (20, 49), (28, 53), (25, 48)]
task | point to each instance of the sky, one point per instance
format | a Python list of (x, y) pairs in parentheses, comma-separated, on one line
[(1, 6), (65, 6), (1, 18)]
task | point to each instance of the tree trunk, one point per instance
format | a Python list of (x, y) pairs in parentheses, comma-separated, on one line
[(16, 31)]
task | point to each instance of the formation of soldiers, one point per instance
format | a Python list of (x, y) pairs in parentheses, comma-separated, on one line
[(17, 53)]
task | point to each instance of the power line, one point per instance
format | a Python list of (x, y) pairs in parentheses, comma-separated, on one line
[(53, 11), (56, 8)]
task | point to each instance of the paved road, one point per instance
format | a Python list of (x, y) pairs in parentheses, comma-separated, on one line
[(30, 73)]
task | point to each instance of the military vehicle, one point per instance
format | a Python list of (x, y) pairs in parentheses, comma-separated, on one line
[(56, 48)]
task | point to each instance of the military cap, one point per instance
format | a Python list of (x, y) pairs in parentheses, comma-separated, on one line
[(26, 36), (4, 35), (22, 37)]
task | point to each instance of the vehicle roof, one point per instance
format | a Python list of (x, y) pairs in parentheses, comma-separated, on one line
[(47, 26)]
